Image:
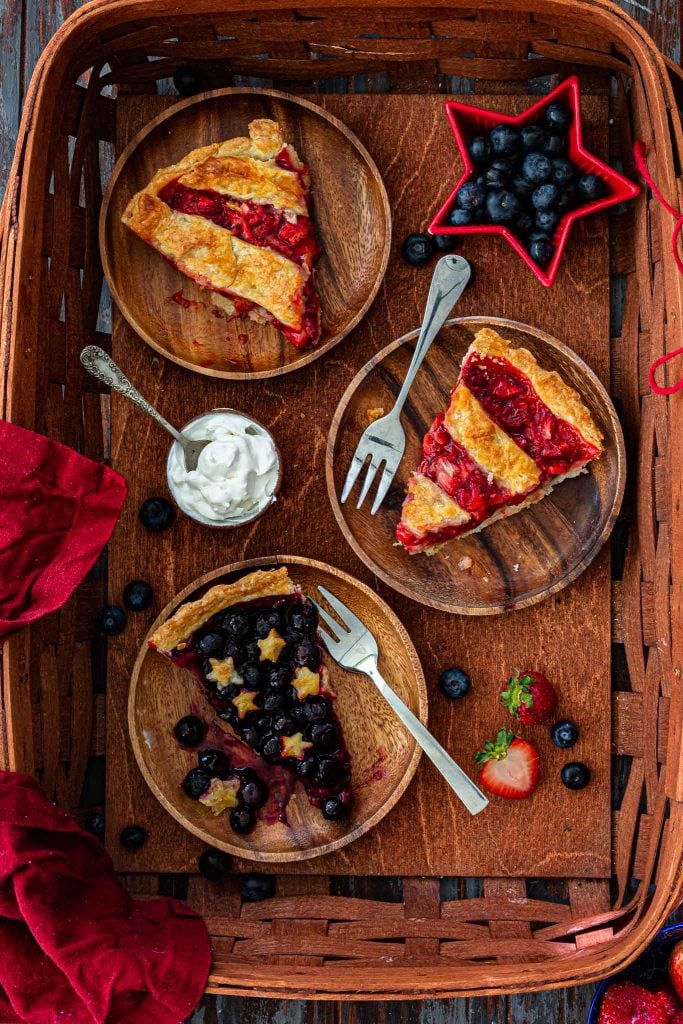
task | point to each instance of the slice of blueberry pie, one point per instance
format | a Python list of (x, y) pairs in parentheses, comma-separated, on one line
[(253, 644), (235, 217), (511, 433)]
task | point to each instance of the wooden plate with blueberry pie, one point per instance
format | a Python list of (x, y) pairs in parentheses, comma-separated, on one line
[(244, 232), (249, 734), (513, 473)]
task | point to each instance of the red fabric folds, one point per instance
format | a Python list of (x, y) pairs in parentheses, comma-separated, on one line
[(74, 947), (57, 511)]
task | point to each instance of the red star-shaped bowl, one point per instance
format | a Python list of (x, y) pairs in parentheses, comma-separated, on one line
[(466, 122)]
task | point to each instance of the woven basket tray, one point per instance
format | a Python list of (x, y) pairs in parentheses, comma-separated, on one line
[(371, 938)]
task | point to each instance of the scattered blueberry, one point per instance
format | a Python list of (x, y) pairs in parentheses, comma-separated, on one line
[(137, 595), (242, 819), (334, 808), (575, 775), (112, 620), (445, 243), (196, 783), (417, 249), (557, 115), (536, 168), (505, 140), (454, 683), (564, 734), (214, 762), (214, 864), (157, 514), (471, 196), (591, 188), (541, 252), (253, 792), (211, 645), (189, 731), (133, 836), (94, 824), (545, 197), (502, 207), (532, 136), (562, 171), (189, 81), (255, 888), (480, 149), (498, 173), (458, 218), (547, 220)]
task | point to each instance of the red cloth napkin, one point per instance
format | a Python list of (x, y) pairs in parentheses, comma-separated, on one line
[(57, 511), (74, 947)]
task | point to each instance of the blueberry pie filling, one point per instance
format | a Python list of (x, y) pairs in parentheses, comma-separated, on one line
[(254, 647)]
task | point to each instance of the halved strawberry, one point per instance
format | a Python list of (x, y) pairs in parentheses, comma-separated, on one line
[(509, 766), (626, 1003), (529, 697)]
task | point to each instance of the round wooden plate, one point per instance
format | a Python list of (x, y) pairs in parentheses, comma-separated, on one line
[(515, 562), (350, 212), (383, 755)]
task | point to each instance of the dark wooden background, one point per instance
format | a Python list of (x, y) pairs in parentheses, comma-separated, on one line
[(25, 27)]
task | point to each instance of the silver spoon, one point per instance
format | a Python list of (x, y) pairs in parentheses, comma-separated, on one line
[(103, 367)]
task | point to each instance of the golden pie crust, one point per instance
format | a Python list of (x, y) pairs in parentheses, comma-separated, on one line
[(189, 617)]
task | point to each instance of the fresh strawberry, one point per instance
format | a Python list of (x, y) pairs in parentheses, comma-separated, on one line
[(677, 1017), (626, 1003), (675, 968), (667, 998), (509, 766), (529, 697)]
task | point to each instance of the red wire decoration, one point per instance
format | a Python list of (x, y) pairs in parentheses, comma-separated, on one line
[(640, 156)]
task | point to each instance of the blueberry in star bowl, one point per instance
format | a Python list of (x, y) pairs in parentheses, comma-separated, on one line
[(532, 137), (545, 197), (137, 595), (562, 171), (575, 775), (189, 731), (498, 173), (133, 837), (471, 196), (112, 620), (459, 218), (522, 187), (591, 188), (564, 734), (524, 223), (157, 514), (555, 144), (417, 249), (536, 168), (541, 251), (214, 762), (547, 220), (505, 140), (254, 888), (502, 207), (196, 783), (334, 808), (242, 819), (557, 115), (480, 149), (454, 683), (214, 865)]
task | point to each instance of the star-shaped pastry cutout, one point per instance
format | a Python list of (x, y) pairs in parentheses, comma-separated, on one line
[(294, 746), (306, 683), (272, 646), (467, 122), (221, 795), (244, 702), (223, 673)]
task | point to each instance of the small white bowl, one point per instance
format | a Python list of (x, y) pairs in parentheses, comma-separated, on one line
[(231, 523)]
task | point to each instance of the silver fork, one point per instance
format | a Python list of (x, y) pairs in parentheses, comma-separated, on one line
[(103, 367), (356, 649), (384, 441)]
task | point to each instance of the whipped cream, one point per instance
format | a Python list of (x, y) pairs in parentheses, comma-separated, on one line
[(236, 475)]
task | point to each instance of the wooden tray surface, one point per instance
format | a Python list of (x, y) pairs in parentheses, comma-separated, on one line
[(556, 834)]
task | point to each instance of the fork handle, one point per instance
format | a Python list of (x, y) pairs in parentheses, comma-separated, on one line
[(449, 281), (461, 784)]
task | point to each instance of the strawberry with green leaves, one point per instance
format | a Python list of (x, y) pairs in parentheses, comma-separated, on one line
[(509, 766), (529, 697)]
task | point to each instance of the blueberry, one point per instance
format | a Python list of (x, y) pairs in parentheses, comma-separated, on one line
[(133, 836), (231, 649), (502, 207), (196, 783), (228, 693), (112, 620), (498, 174), (157, 514), (454, 683), (253, 791), (137, 595), (94, 824), (565, 201), (522, 187), (284, 725), (242, 819), (445, 243), (557, 115), (263, 723), (215, 762), (471, 196), (545, 197), (480, 149), (523, 224), (505, 140), (303, 618), (274, 701), (591, 188), (189, 81), (254, 888), (325, 736), (189, 731), (541, 252), (307, 654), (279, 676), (555, 144), (417, 249), (270, 749), (547, 220), (251, 674), (236, 624), (562, 171), (334, 808), (249, 735), (210, 645), (252, 651), (315, 709), (532, 136), (536, 168), (538, 236), (307, 768), (214, 864), (564, 734), (329, 772), (458, 218), (575, 775), (267, 621)]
